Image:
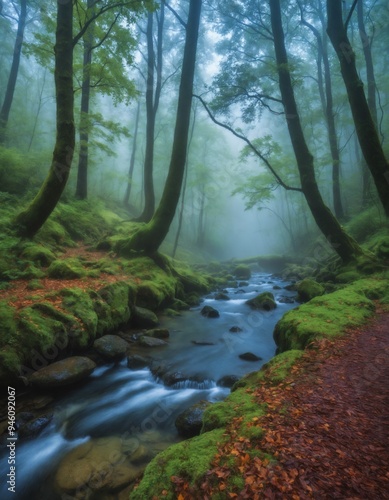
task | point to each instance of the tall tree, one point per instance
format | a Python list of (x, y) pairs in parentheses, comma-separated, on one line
[(325, 89), (31, 220), (9, 93), (364, 123), (132, 159), (149, 237), (342, 243)]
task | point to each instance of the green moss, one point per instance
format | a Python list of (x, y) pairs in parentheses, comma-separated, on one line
[(307, 289), (365, 224), (66, 269), (80, 304), (39, 254), (34, 285), (264, 302), (112, 306), (53, 233), (327, 316), (348, 276), (189, 459), (242, 272)]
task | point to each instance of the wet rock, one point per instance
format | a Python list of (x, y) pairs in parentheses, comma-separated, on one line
[(100, 465), (144, 318), (227, 380), (190, 422), (136, 362), (222, 296), (158, 333), (198, 342), (249, 356), (264, 301), (62, 373), (167, 376), (140, 455), (243, 283), (240, 291), (111, 347), (151, 341), (235, 329), (210, 312), (276, 287), (285, 300), (34, 427)]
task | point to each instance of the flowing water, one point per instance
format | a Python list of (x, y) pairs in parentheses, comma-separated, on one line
[(138, 408)]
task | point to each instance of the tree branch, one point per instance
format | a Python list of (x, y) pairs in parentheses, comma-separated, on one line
[(250, 144), (180, 20), (350, 14)]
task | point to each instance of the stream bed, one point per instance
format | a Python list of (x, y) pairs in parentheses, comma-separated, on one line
[(103, 431)]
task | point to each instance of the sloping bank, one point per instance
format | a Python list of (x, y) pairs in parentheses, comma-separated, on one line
[(67, 321), (189, 461)]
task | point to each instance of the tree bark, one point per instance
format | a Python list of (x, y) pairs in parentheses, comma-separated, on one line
[(9, 93), (363, 120), (82, 170), (149, 238), (132, 160), (341, 242), (32, 219)]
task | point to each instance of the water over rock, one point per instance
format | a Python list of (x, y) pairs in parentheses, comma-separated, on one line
[(135, 362), (227, 380), (111, 347), (64, 372), (249, 356), (34, 426), (235, 329)]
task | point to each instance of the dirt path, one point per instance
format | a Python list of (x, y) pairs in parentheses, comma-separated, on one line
[(328, 426)]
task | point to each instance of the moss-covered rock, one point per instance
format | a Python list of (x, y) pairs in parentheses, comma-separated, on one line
[(242, 272), (112, 304), (79, 303), (190, 459), (264, 302), (66, 269), (143, 318), (307, 289), (111, 347), (190, 421), (63, 373), (39, 254)]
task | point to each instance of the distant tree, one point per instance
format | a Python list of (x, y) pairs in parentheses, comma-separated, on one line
[(149, 237), (10, 90), (126, 199), (364, 123)]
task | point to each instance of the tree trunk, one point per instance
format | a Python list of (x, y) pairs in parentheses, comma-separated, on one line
[(132, 160), (148, 238), (364, 123), (82, 171), (341, 242), (325, 89), (32, 219), (9, 93)]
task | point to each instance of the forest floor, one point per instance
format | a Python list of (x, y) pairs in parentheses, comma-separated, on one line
[(327, 426)]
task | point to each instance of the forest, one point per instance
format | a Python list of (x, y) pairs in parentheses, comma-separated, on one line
[(190, 191)]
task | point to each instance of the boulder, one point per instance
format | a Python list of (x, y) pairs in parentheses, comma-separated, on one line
[(283, 299), (222, 296), (307, 289), (151, 341), (235, 329), (264, 302), (249, 356), (111, 347), (243, 283), (144, 318), (190, 422), (210, 312), (242, 272), (62, 373), (227, 380), (158, 333), (136, 362), (99, 465)]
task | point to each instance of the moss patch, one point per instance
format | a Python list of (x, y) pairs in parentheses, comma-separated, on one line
[(66, 269), (329, 315), (190, 459), (308, 289)]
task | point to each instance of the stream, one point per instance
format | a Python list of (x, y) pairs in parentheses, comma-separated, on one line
[(131, 413)]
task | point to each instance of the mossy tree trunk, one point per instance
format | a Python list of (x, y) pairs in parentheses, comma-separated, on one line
[(364, 123), (148, 238), (11, 84), (341, 242), (32, 219)]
